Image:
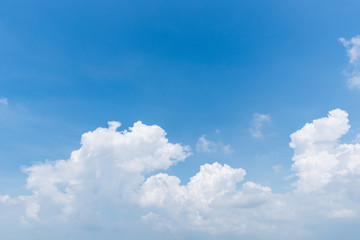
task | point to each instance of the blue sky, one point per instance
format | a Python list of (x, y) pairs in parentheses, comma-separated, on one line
[(240, 75)]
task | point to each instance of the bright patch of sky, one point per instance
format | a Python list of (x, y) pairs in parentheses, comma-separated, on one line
[(239, 119)]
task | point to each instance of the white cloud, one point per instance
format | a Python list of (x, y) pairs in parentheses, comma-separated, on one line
[(328, 171), (4, 101), (257, 124), (353, 51), (319, 158), (353, 48), (208, 146), (204, 145), (111, 177), (212, 202), (328, 179), (108, 167)]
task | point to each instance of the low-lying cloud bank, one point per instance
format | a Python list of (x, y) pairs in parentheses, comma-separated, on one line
[(110, 180)]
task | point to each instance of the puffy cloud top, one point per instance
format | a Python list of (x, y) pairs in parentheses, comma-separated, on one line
[(325, 130), (211, 201), (319, 158), (109, 164), (112, 172)]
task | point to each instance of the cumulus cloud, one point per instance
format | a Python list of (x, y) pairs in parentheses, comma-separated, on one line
[(319, 158), (120, 175), (208, 146), (212, 202), (108, 167), (257, 124), (328, 171), (353, 51)]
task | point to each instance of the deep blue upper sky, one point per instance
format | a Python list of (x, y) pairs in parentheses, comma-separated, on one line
[(68, 67)]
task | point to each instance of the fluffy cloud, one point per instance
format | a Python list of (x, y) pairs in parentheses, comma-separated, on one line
[(216, 200), (353, 51), (319, 158), (315, 146), (108, 167), (328, 171), (212, 202), (257, 124), (119, 176), (208, 146)]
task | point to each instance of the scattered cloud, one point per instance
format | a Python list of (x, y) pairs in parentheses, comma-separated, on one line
[(211, 201), (208, 146), (257, 124), (353, 51), (116, 176), (227, 148), (204, 145), (277, 168), (357, 138), (4, 101)]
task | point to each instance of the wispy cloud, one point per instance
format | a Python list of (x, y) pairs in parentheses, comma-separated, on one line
[(277, 168), (353, 51), (4, 101), (208, 146), (357, 138), (257, 124)]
